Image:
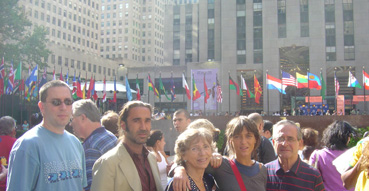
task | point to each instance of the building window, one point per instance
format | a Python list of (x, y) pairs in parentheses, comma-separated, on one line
[(282, 28)]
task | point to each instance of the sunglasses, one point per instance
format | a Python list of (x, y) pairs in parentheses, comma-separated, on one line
[(57, 102)]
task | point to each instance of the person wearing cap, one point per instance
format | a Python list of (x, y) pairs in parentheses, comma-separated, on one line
[(47, 157)]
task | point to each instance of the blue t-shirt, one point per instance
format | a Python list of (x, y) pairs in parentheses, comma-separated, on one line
[(43, 160)]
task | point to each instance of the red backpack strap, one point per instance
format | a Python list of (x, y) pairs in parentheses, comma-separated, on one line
[(237, 175)]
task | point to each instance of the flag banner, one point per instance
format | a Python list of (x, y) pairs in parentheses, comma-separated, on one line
[(115, 90), (302, 80), (219, 97), (104, 91), (152, 86), (163, 88), (43, 79), (54, 77), (195, 92), (74, 92), (128, 89), (210, 78), (257, 89), (138, 94), (314, 81), (234, 86), (18, 72), (2, 76), (79, 90), (61, 75), (206, 93), (10, 86), (288, 79), (67, 77), (172, 89), (366, 80), (244, 87), (186, 87), (275, 84), (93, 92), (352, 82), (324, 87), (32, 77), (88, 96)]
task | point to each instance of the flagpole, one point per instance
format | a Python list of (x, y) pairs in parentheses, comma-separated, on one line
[(159, 93), (171, 100), (229, 93), (192, 101), (204, 94), (254, 92), (321, 90), (267, 92), (364, 90), (184, 92), (308, 75), (335, 92), (281, 95)]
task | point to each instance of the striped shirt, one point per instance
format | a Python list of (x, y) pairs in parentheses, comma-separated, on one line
[(301, 177), (99, 142)]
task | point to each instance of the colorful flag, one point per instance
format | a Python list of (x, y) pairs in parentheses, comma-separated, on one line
[(275, 84), (257, 89), (138, 95), (61, 75), (234, 86), (93, 92), (336, 84), (352, 82), (163, 88), (185, 86), (128, 89), (104, 91), (244, 86), (172, 89), (67, 77), (288, 79), (324, 87), (43, 79), (54, 77), (219, 92), (314, 81), (84, 89), (88, 96), (366, 80), (74, 92), (302, 80), (196, 94), (10, 86), (18, 72), (152, 86), (32, 77), (79, 91), (115, 90), (206, 91)]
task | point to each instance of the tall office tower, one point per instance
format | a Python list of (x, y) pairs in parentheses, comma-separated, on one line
[(133, 31), (73, 34)]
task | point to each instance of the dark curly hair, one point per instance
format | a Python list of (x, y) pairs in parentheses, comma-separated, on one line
[(337, 134)]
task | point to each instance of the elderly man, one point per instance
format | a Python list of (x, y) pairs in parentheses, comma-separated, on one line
[(129, 165), (181, 119), (7, 139), (47, 157), (265, 150), (288, 172), (86, 125)]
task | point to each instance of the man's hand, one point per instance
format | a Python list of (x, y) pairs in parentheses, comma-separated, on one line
[(3, 172), (216, 160), (180, 179)]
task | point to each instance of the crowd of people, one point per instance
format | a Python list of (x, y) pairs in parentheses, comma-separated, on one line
[(120, 151)]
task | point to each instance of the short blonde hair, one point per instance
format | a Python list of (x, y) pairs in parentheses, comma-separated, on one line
[(188, 137), (204, 123)]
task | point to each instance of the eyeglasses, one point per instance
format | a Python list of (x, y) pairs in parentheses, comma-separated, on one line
[(289, 139), (57, 102)]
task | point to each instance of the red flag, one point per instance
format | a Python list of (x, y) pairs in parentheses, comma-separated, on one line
[(79, 91), (21, 86), (90, 88), (185, 86), (195, 91), (61, 75), (93, 92), (115, 90), (206, 91), (257, 89)]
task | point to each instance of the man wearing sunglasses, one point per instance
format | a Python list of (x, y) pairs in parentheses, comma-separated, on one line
[(96, 139), (47, 157)]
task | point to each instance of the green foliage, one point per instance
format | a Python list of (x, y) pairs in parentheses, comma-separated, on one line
[(359, 135), (221, 138), (17, 40)]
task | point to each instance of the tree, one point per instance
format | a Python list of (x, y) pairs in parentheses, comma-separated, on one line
[(17, 41)]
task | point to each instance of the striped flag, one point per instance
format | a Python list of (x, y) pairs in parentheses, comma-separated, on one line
[(288, 79), (219, 92), (366, 80), (185, 86), (138, 95)]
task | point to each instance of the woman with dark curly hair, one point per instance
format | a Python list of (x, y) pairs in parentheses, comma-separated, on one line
[(335, 139)]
